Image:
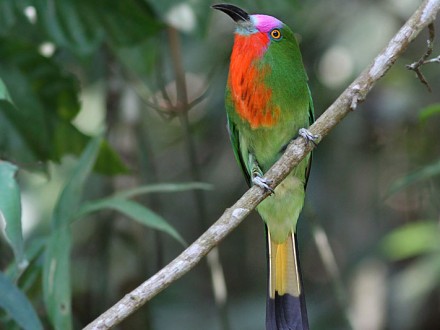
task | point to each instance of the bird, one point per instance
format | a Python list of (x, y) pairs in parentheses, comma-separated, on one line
[(268, 104)]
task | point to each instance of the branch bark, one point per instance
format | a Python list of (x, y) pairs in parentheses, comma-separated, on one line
[(295, 152)]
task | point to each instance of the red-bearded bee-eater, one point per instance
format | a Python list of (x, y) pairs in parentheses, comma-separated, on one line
[(268, 104)]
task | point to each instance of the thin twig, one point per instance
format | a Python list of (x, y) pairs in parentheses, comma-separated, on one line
[(424, 59), (169, 110), (433, 60), (294, 153)]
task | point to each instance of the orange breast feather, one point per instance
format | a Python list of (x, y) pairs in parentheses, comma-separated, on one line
[(250, 95)]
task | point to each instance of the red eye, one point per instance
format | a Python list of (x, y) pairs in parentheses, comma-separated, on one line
[(275, 34)]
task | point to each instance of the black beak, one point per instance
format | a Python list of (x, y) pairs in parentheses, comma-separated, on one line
[(237, 14)]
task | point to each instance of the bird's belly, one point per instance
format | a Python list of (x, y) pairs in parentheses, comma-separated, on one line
[(281, 210), (267, 145)]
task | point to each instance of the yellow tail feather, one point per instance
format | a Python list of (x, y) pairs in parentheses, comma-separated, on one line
[(283, 268)]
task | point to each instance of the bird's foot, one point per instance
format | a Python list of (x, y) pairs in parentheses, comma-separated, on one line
[(263, 183), (308, 136)]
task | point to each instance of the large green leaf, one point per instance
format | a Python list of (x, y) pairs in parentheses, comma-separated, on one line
[(138, 212), (45, 100), (7, 15), (56, 279), (11, 142), (66, 24), (37, 125), (16, 24), (133, 210), (108, 161), (4, 94), (430, 111), (412, 240), (163, 188), (82, 25), (34, 251), (16, 304), (125, 22), (10, 209), (56, 275)]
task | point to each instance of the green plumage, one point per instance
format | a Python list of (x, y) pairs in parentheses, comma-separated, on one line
[(268, 102), (257, 149)]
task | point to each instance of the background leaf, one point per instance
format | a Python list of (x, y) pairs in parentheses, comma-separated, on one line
[(133, 210), (28, 76), (425, 173), (82, 26), (56, 281), (47, 97), (17, 305), (28, 278), (128, 22), (4, 94), (10, 209), (412, 240), (162, 188), (66, 24), (428, 112)]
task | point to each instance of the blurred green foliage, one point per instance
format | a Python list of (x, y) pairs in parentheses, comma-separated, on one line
[(97, 127)]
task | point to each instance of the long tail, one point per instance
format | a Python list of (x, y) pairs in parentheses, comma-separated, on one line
[(286, 305)]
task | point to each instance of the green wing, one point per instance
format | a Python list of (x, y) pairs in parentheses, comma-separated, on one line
[(234, 136)]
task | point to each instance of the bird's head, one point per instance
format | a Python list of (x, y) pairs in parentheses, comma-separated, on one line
[(248, 25)]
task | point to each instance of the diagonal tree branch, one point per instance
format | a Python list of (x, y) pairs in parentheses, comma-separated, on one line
[(295, 152)]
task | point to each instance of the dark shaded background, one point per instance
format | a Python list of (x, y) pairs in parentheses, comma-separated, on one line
[(96, 65)]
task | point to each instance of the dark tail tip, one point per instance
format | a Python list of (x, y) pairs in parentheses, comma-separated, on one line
[(286, 312)]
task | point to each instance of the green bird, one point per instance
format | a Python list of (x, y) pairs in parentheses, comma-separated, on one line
[(268, 104)]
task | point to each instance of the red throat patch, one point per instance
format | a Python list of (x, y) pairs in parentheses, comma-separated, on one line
[(251, 97)]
